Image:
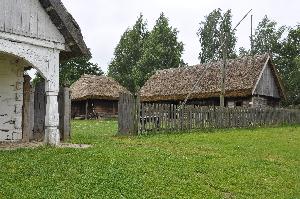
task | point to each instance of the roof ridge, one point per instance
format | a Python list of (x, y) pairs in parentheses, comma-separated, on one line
[(217, 62)]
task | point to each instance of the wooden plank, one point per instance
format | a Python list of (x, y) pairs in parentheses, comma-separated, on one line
[(16, 18), (147, 117), (172, 117), (33, 22), (2, 16), (67, 114), (137, 115), (41, 24), (39, 111), (32, 91), (142, 118), (26, 109), (25, 14), (8, 19), (163, 120)]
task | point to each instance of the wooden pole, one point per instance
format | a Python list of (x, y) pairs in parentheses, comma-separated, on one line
[(223, 71), (251, 35), (67, 114), (26, 109)]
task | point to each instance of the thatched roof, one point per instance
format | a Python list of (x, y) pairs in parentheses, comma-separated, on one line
[(242, 74), (68, 27), (96, 87)]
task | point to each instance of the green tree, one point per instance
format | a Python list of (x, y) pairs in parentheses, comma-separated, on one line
[(244, 52), (128, 52), (161, 50), (211, 33), (288, 64), (72, 70), (139, 53), (267, 37)]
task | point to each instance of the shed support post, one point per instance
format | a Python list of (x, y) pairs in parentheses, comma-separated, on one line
[(86, 109)]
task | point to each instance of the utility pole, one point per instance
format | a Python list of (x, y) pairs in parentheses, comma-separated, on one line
[(223, 46), (252, 35), (223, 70)]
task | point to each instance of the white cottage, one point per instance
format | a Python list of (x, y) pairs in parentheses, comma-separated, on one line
[(34, 34)]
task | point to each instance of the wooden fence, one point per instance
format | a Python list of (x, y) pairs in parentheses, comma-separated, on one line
[(169, 117), (141, 118)]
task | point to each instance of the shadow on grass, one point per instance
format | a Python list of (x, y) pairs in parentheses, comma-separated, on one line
[(203, 130)]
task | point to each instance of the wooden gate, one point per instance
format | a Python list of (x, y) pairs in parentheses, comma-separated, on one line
[(35, 115), (128, 114)]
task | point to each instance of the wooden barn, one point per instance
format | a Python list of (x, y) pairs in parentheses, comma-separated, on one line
[(250, 81), (95, 97), (33, 34)]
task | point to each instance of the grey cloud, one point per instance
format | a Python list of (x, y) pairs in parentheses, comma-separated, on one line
[(103, 21)]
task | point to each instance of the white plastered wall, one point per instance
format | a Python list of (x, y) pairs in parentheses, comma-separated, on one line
[(11, 98)]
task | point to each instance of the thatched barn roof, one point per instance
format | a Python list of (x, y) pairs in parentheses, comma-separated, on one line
[(68, 27), (96, 87), (242, 74)]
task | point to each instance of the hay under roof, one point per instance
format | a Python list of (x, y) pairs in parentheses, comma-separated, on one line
[(242, 75), (96, 87)]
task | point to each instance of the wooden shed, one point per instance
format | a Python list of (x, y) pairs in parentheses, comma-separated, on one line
[(250, 81), (95, 96), (34, 34)]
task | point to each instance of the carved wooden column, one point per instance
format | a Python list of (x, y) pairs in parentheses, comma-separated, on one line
[(52, 135)]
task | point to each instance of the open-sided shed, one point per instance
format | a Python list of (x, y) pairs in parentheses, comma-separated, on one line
[(96, 96), (34, 34)]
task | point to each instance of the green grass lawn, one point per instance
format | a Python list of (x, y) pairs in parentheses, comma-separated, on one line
[(251, 163)]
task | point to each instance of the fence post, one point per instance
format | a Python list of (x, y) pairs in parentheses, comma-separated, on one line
[(136, 115)]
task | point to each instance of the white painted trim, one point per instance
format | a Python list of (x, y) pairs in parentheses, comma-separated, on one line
[(260, 75), (32, 41)]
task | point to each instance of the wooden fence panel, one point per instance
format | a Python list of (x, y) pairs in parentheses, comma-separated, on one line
[(140, 118), (170, 117)]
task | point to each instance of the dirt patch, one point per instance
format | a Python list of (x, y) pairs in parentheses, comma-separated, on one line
[(32, 145), (19, 145), (74, 146)]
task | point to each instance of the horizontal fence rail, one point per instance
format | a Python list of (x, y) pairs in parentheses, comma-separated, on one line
[(170, 117)]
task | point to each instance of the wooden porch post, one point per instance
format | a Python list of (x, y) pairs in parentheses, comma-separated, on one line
[(52, 135)]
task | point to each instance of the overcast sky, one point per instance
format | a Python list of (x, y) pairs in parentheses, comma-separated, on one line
[(103, 21)]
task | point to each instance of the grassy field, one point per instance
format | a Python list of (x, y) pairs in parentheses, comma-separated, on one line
[(252, 163)]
